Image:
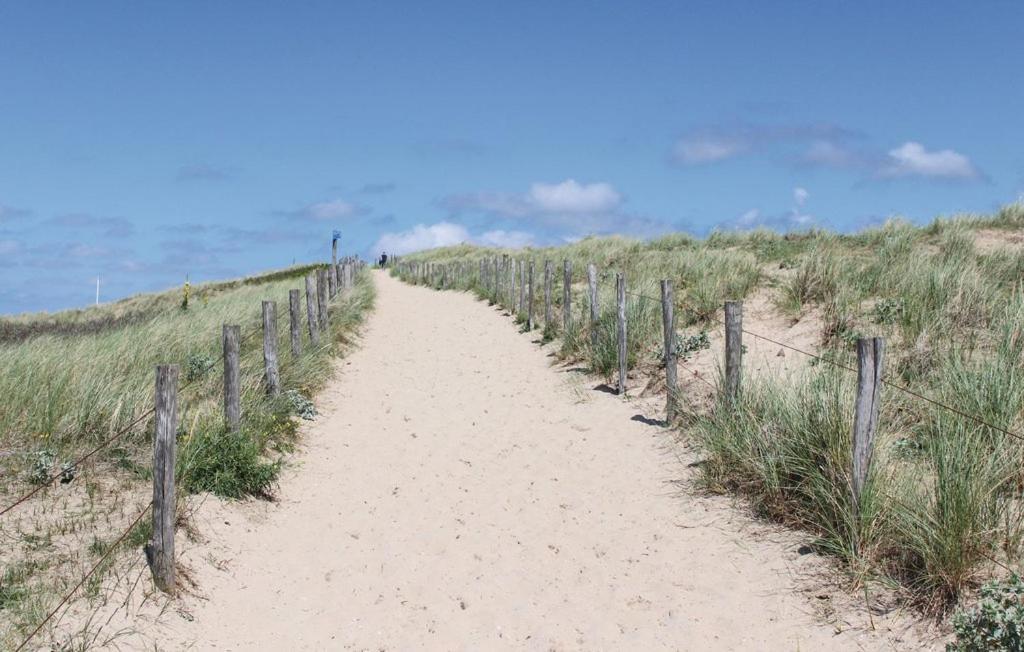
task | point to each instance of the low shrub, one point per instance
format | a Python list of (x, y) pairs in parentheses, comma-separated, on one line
[(996, 623)]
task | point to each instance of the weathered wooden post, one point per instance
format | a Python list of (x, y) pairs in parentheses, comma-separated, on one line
[(870, 364), (668, 322), (271, 376), (566, 295), (733, 348), (529, 301), (620, 331), (594, 315), (513, 268), (334, 249), (522, 288), (161, 546), (295, 317), (312, 310), (232, 338), (497, 281), (547, 295), (321, 299), (332, 289)]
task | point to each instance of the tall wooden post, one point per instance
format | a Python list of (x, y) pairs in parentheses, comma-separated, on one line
[(594, 314), (529, 301), (161, 547), (566, 295), (232, 338), (547, 295), (295, 322), (620, 331), (733, 347), (332, 289), (271, 375), (870, 364), (312, 310), (321, 299), (522, 288), (668, 322)]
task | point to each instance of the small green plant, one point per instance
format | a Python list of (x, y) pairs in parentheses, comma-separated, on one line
[(300, 405), (197, 365), (227, 463), (996, 623), (691, 344), (888, 311), (41, 466)]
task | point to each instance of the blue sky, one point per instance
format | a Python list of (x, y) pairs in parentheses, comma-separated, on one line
[(143, 141)]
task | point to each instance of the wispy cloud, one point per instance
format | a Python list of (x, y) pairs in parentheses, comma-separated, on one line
[(9, 214), (714, 143), (107, 227), (445, 234), (796, 217), (420, 237), (202, 172), (912, 159), (569, 205), (326, 211), (378, 188)]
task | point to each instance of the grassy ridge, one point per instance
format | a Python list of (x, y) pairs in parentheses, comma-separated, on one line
[(71, 380), (944, 496)]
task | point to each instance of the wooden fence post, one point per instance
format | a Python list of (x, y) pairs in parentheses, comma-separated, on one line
[(497, 281), (529, 301), (870, 359), (620, 331), (161, 547), (668, 321), (547, 295), (272, 376), (312, 310), (295, 315), (594, 315), (522, 288), (321, 299), (332, 289), (566, 295), (232, 338), (512, 302), (733, 348)]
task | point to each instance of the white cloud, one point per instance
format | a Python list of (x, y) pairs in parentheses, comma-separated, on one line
[(800, 196), (830, 154), (570, 196), (331, 210), (912, 159), (707, 149), (420, 237), (325, 211), (506, 239), (751, 217)]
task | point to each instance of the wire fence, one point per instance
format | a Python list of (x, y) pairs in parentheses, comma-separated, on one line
[(337, 285)]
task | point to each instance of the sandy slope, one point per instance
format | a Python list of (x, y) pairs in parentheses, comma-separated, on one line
[(459, 493)]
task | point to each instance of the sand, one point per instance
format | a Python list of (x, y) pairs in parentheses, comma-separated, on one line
[(459, 492)]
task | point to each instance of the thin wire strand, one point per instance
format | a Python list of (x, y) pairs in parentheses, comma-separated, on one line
[(82, 581), (117, 435)]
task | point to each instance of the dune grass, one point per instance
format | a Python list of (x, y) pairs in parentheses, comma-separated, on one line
[(942, 509), (71, 380)]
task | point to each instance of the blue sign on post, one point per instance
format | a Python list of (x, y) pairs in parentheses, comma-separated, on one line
[(337, 234)]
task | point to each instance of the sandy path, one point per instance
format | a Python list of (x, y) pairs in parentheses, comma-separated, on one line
[(458, 493)]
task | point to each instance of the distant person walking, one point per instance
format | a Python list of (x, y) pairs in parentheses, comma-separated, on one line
[(383, 259)]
